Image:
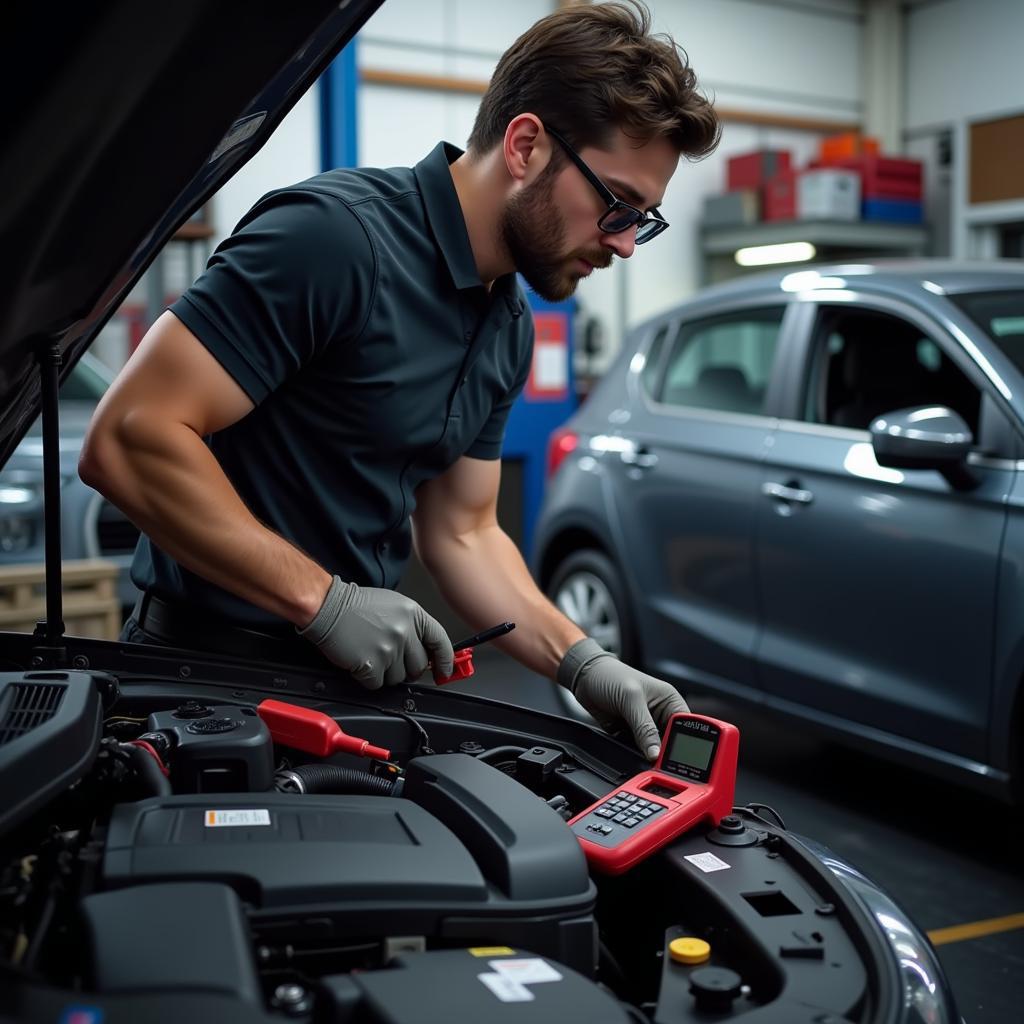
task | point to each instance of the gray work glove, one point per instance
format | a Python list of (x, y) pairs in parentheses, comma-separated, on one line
[(378, 636), (611, 690)]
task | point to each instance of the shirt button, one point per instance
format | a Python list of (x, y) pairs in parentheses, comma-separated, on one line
[(468, 335)]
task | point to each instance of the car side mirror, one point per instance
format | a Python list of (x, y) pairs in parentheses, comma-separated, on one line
[(925, 437)]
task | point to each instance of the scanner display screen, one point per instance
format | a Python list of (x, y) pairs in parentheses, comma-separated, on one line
[(692, 751)]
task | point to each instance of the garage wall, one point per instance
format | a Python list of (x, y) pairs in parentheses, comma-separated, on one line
[(962, 66)]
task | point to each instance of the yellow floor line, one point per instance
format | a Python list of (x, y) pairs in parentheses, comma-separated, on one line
[(976, 929)]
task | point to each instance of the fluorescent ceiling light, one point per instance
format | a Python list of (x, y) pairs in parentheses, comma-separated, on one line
[(764, 255)]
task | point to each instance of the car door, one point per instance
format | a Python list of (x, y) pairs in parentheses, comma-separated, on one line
[(685, 491), (878, 585)]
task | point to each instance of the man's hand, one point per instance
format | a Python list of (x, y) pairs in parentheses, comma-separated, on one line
[(611, 690), (378, 636)]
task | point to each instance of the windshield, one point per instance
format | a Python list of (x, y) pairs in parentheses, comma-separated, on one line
[(1001, 316)]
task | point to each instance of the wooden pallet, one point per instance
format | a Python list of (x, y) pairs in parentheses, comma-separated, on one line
[(91, 605)]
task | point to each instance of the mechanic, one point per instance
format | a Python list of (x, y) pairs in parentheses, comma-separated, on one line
[(335, 386)]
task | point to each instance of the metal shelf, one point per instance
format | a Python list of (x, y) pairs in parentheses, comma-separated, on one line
[(910, 239)]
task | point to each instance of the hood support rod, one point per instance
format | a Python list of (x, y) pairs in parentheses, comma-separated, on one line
[(50, 631)]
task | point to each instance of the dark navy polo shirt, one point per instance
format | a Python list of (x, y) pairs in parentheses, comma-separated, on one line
[(349, 309)]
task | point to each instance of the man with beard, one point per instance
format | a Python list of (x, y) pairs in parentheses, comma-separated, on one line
[(335, 386)]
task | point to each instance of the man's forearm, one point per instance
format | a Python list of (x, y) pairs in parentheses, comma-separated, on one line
[(483, 577), (169, 483)]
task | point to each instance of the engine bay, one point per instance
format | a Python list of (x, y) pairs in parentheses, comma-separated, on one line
[(162, 850)]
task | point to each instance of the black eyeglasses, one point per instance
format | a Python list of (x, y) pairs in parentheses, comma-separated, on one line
[(619, 216)]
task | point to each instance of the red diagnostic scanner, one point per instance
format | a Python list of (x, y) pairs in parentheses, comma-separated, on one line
[(693, 781), (313, 731), (462, 667)]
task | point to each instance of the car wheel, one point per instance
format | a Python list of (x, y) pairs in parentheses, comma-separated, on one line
[(586, 588)]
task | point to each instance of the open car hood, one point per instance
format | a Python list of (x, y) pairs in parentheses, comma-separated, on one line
[(122, 120)]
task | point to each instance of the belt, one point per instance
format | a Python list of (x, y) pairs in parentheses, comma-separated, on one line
[(178, 626)]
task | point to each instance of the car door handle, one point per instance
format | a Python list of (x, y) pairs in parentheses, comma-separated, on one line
[(639, 457), (783, 493)]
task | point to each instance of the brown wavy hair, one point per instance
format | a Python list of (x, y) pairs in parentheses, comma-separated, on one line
[(592, 69)]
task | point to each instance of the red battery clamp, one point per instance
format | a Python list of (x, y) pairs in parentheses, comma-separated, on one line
[(313, 732), (693, 781)]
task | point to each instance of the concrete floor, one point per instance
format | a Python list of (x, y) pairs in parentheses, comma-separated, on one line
[(946, 855)]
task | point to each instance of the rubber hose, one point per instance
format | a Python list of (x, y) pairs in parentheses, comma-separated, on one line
[(148, 770), (332, 778)]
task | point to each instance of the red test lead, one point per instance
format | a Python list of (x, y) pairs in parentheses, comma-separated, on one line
[(313, 732)]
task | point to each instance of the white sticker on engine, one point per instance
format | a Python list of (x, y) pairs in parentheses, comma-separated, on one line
[(527, 972), (508, 990), (707, 862), (235, 819)]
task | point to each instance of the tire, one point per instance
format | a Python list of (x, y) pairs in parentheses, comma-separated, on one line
[(588, 588)]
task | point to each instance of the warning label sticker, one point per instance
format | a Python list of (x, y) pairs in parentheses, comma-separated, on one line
[(508, 990), (707, 862), (527, 972), (237, 818)]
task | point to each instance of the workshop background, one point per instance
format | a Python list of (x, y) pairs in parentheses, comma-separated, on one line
[(936, 84)]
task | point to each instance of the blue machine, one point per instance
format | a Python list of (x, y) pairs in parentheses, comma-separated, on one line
[(547, 401)]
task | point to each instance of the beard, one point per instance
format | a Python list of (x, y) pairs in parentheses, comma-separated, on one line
[(534, 232)]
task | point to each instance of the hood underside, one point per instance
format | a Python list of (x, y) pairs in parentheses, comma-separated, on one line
[(123, 119)]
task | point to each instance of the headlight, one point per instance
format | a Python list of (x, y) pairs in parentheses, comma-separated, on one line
[(14, 495), (927, 998)]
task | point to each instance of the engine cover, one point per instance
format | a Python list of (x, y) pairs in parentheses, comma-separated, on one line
[(315, 868)]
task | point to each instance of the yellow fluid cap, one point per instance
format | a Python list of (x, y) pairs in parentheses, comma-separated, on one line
[(686, 950)]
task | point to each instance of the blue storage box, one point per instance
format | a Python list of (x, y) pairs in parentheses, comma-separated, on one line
[(902, 211)]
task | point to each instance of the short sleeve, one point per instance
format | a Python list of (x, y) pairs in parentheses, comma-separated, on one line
[(489, 441), (295, 277)]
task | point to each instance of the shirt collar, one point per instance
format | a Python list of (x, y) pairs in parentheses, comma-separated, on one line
[(445, 213), (448, 223)]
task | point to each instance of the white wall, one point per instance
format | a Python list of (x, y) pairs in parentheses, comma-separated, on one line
[(963, 64)]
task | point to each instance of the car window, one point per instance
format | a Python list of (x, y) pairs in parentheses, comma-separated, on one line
[(1001, 314), (651, 372), (83, 384), (723, 363), (866, 363)]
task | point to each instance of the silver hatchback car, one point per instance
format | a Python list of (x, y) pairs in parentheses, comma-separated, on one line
[(805, 490)]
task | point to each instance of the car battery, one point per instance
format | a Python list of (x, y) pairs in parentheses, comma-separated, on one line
[(779, 197), (895, 211), (828, 194), (740, 207), (752, 170)]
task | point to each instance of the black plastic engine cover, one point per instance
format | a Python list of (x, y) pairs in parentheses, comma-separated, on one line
[(312, 869), (499, 986), (50, 726)]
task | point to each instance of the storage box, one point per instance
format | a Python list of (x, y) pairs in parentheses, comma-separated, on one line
[(899, 211), (884, 177), (753, 170), (846, 145), (778, 201), (742, 207), (828, 194), (90, 603)]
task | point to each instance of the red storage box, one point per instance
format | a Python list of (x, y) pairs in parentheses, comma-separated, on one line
[(884, 177), (778, 197), (753, 170)]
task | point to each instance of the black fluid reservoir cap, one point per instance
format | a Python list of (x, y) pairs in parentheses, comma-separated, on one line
[(192, 709), (715, 988), (732, 832)]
